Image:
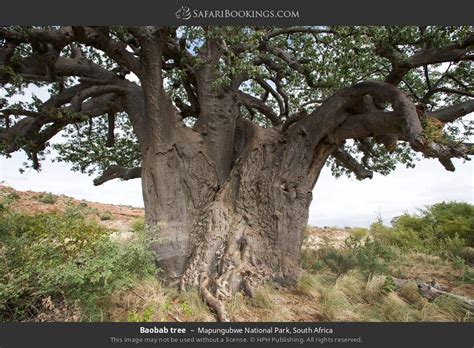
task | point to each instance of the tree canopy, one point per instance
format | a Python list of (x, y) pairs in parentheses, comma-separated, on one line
[(280, 76)]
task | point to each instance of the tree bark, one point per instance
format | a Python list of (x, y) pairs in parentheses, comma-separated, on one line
[(230, 234)]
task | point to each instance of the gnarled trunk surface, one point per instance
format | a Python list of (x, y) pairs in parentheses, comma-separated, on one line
[(231, 235)]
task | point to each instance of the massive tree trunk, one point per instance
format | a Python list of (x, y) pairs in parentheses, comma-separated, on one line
[(226, 201), (225, 233)]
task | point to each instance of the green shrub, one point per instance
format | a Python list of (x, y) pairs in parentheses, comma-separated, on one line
[(65, 258), (359, 232), (451, 218), (146, 316), (13, 196), (47, 198), (443, 229), (467, 254), (453, 246), (138, 225), (105, 216), (370, 255), (310, 260), (339, 261)]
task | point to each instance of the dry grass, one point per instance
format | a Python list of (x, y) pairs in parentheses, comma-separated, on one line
[(425, 268), (150, 301), (393, 308), (273, 305), (262, 298), (352, 285), (352, 297), (316, 297), (189, 306), (309, 285), (448, 309), (373, 290), (337, 307), (409, 292), (146, 301)]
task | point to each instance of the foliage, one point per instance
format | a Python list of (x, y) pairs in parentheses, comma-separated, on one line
[(369, 255), (423, 246), (306, 67), (359, 232), (146, 316), (63, 257), (47, 198), (138, 225), (86, 147), (105, 216), (441, 229)]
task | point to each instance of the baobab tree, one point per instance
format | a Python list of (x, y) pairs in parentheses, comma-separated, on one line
[(229, 127)]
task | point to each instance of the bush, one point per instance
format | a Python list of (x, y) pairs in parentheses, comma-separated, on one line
[(138, 225), (105, 216), (47, 198), (369, 255), (359, 232), (13, 196), (443, 229), (451, 219), (467, 254), (65, 258), (339, 261)]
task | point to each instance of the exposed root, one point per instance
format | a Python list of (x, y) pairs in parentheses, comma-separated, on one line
[(213, 302), (224, 261)]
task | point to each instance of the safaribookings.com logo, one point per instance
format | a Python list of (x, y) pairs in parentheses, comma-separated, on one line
[(185, 13)]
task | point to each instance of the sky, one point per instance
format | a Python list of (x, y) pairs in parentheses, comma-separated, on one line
[(336, 202)]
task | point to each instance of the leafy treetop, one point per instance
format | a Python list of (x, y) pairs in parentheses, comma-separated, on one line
[(280, 76)]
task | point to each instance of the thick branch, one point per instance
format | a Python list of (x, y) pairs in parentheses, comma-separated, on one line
[(94, 91), (332, 113), (33, 68), (264, 84), (451, 113), (368, 125), (351, 163), (118, 172), (100, 39), (255, 103), (401, 65), (295, 30), (390, 123)]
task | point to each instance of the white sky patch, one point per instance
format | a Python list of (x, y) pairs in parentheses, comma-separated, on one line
[(59, 179), (349, 202)]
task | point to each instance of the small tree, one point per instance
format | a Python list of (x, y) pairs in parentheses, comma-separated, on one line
[(229, 127)]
